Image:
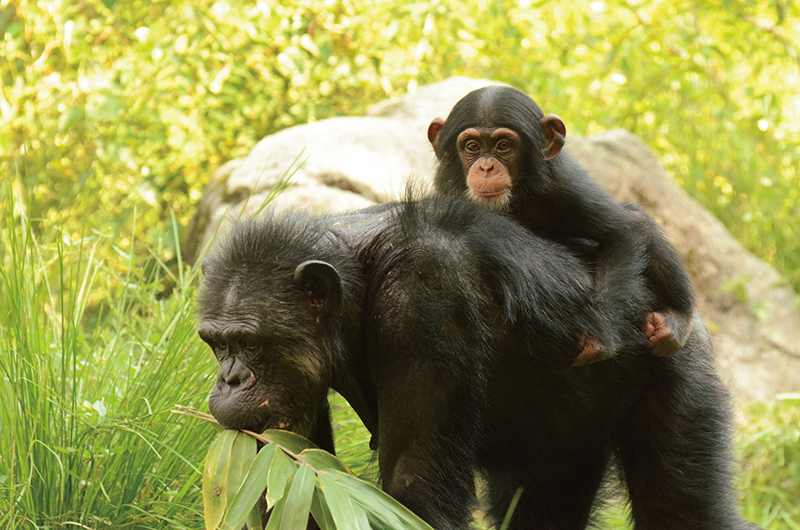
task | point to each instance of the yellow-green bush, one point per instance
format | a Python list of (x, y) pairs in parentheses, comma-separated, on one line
[(109, 105)]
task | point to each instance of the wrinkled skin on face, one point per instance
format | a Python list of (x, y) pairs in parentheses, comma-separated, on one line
[(269, 375)]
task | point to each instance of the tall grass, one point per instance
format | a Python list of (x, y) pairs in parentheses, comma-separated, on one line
[(94, 358), (92, 363)]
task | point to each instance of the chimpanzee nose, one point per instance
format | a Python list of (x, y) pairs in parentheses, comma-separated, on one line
[(233, 372), (487, 164)]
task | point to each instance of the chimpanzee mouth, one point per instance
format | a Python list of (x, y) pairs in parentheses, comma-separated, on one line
[(490, 193), (495, 200)]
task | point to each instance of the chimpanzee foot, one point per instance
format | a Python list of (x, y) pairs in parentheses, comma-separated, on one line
[(592, 351), (667, 332)]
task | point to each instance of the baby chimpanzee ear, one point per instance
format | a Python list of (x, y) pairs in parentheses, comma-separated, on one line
[(322, 288), (434, 130), (555, 131)]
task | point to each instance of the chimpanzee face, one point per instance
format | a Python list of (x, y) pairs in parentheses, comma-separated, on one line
[(270, 343), (489, 161), (493, 145)]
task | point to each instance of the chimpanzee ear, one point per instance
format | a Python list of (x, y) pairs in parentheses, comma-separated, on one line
[(555, 131), (434, 129), (322, 288)]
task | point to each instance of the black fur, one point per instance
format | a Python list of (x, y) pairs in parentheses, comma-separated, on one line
[(556, 199), (454, 344)]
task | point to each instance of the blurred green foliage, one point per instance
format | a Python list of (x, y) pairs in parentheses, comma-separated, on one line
[(109, 106), (769, 448)]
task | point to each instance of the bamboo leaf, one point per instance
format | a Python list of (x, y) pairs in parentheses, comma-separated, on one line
[(383, 510), (215, 478), (281, 470), (243, 452), (241, 506), (253, 520), (289, 440), (319, 509), (298, 500), (320, 459), (276, 516), (344, 512)]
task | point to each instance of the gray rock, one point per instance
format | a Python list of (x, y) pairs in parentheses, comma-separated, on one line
[(352, 162)]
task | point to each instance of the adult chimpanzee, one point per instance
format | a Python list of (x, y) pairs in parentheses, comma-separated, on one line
[(451, 330), (499, 149)]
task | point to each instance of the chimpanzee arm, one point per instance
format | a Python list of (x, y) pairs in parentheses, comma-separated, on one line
[(669, 325), (426, 440), (428, 378), (579, 208), (633, 254)]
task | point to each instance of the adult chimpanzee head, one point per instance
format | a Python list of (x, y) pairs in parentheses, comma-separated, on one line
[(268, 310), (492, 138)]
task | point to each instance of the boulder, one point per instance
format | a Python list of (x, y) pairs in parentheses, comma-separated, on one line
[(351, 162)]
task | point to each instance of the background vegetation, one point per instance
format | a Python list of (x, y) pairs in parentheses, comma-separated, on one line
[(108, 105), (113, 114)]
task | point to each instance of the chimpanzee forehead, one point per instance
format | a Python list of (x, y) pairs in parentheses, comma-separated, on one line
[(493, 132), (248, 295), (494, 107)]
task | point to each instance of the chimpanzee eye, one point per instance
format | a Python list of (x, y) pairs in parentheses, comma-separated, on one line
[(219, 346), (472, 146), (250, 345), (503, 146)]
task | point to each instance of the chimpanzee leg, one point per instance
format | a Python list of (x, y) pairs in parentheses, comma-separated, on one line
[(562, 504), (426, 443), (675, 449)]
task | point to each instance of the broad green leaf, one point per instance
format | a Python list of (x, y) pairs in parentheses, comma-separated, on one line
[(253, 486), (227, 463), (344, 512), (215, 478), (243, 452), (253, 520), (281, 469), (298, 500), (289, 440), (319, 509), (320, 459), (384, 511), (276, 516)]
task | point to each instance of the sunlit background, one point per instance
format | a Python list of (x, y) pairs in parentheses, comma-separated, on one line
[(114, 114)]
